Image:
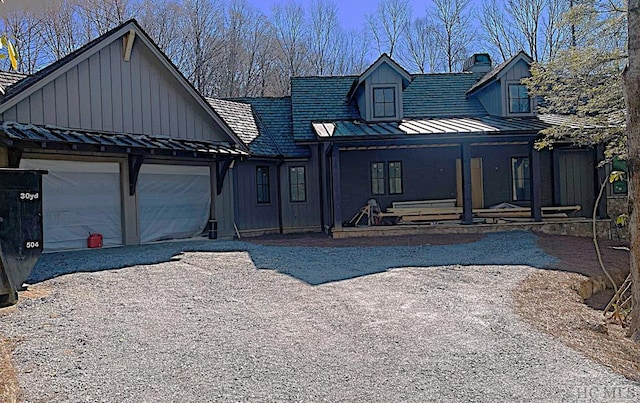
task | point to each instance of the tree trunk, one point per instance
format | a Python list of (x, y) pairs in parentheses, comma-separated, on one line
[(632, 99)]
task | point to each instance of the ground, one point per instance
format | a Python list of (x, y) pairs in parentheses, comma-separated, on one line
[(367, 322)]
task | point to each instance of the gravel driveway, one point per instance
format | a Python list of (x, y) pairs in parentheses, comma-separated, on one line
[(233, 321)]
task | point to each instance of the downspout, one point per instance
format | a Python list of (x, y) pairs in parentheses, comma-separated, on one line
[(279, 172)]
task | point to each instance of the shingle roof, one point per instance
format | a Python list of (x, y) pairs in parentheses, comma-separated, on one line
[(320, 99), (411, 127), (264, 124), (274, 119), (240, 118), (9, 78), (441, 95), (47, 136)]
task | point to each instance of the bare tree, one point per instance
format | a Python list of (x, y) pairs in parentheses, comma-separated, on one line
[(200, 25), (422, 50), (161, 20), (60, 31), (632, 98), (290, 31), (388, 25), (23, 27), (498, 31), (454, 30), (99, 16), (527, 15), (324, 32)]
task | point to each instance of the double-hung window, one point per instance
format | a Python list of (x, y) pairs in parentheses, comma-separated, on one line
[(386, 178), (521, 179), (297, 184), (377, 178), (519, 101), (384, 102), (262, 185), (395, 177)]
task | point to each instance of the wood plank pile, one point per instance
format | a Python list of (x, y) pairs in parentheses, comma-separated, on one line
[(440, 210)]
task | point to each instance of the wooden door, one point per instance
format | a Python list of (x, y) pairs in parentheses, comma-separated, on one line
[(477, 189), (575, 179)]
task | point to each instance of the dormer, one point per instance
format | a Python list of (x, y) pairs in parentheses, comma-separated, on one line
[(378, 91), (501, 90)]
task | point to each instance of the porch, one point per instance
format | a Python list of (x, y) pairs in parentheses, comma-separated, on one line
[(555, 226)]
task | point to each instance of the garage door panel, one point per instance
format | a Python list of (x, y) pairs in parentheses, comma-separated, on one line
[(79, 198), (174, 201)]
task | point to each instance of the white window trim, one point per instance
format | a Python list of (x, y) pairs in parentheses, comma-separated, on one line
[(398, 101)]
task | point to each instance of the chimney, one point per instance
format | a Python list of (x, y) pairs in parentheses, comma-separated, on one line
[(478, 63)]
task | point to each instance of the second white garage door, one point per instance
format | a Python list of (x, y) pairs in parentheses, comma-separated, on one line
[(173, 201)]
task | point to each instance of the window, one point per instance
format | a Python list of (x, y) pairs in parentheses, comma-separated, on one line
[(521, 179), (377, 178), (395, 177), (384, 102), (297, 184), (519, 99), (262, 185), (620, 186)]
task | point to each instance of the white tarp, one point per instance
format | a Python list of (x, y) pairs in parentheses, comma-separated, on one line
[(78, 199), (173, 201)]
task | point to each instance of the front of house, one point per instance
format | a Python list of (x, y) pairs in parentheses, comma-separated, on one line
[(136, 154), (464, 140)]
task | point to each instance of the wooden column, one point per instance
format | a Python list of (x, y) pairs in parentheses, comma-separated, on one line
[(536, 183), (336, 194), (467, 198)]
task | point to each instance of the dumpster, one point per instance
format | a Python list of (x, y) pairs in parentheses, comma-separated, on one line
[(21, 239)]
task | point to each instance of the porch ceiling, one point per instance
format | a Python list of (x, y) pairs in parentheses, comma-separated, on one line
[(438, 126), (14, 134)]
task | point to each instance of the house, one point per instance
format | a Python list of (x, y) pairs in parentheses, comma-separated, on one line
[(463, 138), (136, 154), (133, 151)]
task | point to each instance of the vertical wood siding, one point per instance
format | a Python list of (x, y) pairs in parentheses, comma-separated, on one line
[(301, 216), (430, 173), (224, 207), (251, 215), (105, 93)]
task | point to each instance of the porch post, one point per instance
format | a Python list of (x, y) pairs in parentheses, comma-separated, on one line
[(536, 193), (467, 195), (335, 187)]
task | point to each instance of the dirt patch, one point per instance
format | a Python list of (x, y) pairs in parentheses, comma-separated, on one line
[(549, 301), (578, 255), (324, 240), (9, 388)]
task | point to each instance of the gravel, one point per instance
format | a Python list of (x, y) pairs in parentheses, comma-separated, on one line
[(232, 321)]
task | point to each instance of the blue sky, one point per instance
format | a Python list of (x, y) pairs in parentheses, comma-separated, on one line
[(351, 12)]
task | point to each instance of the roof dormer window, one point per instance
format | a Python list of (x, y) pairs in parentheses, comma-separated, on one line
[(384, 102), (519, 101)]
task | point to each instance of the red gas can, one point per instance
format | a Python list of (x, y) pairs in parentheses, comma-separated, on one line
[(94, 241)]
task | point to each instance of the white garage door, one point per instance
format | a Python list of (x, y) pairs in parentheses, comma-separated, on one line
[(78, 199), (173, 201)]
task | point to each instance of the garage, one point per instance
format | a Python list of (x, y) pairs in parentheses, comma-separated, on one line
[(79, 198), (173, 201)]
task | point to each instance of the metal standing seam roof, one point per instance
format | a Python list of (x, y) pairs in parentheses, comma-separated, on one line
[(408, 127), (12, 132)]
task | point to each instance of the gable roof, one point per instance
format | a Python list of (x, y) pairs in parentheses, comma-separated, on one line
[(499, 70), (383, 59), (9, 78), (29, 85)]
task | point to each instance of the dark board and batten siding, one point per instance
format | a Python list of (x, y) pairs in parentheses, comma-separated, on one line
[(251, 215), (106, 93), (301, 216)]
